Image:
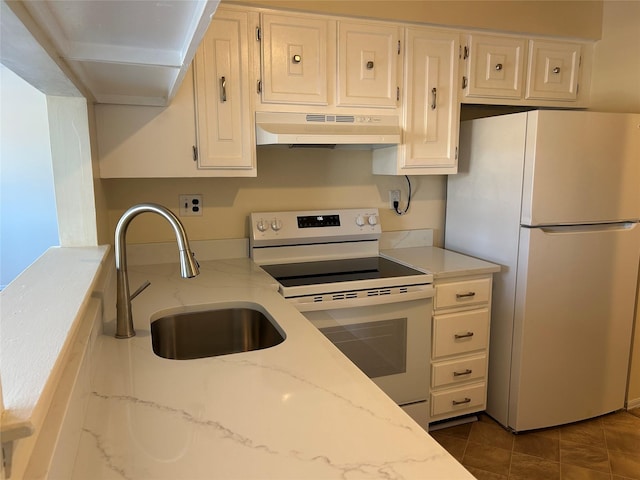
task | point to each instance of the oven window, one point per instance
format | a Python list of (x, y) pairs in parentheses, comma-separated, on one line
[(378, 348)]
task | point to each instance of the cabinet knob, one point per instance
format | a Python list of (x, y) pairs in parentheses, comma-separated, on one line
[(556, 70), (296, 59), (434, 98), (498, 66), (461, 402), (369, 65)]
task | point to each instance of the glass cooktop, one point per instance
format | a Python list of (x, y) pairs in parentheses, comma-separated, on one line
[(331, 271)]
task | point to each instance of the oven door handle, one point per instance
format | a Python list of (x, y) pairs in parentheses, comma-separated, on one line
[(426, 292)]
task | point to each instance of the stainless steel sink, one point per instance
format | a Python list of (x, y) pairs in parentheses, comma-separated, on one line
[(185, 336)]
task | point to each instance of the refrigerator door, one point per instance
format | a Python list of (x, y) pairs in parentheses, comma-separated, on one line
[(572, 323), (581, 167)]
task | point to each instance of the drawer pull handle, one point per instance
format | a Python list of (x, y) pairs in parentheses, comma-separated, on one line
[(466, 295), (461, 402), (468, 371), (463, 335)]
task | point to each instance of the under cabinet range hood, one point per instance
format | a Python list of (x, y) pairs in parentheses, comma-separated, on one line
[(327, 130)]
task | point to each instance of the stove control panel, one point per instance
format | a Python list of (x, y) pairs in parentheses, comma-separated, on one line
[(318, 226)]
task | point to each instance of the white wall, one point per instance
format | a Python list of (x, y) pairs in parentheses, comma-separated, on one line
[(27, 200), (615, 83)]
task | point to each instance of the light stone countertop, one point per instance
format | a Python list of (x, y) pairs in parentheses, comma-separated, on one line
[(442, 263), (299, 410)]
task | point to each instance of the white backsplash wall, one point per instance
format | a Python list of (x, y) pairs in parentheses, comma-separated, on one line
[(288, 179)]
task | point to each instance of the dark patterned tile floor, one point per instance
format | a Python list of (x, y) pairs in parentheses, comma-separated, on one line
[(604, 448)]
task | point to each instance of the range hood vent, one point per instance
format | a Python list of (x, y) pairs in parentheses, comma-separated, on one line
[(327, 130)]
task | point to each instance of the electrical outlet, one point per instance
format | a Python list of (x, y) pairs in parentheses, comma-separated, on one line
[(394, 196), (190, 205)]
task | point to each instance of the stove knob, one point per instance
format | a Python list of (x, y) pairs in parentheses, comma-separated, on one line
[(262, 226), (276, 224), (360, 221), (373, 220)]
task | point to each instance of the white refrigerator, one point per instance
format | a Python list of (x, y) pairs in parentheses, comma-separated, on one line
[(553, 197)]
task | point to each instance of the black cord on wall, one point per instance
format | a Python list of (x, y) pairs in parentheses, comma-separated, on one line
[(396, 205)]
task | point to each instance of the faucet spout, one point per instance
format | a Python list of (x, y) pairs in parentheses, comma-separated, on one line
[(188, 265)]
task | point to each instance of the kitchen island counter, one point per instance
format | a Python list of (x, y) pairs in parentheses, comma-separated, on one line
[(297, 410)]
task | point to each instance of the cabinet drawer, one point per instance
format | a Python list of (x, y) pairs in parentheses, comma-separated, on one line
[(461, 332), (458, 399), (469, 292), (458, 371)]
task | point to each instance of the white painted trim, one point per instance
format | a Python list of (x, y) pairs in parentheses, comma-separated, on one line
[(633, 403), (72, 171)]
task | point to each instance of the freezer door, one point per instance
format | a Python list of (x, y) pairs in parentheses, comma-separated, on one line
[(581, 167), (573, 319)]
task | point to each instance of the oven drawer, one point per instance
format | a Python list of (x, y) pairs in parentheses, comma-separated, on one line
[(460, 332), (458, 371), (458, 400), (458, 294)]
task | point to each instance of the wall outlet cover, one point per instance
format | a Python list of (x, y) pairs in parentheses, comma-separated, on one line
[(190, 205)]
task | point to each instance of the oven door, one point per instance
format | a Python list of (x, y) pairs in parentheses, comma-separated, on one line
[(390, 342)]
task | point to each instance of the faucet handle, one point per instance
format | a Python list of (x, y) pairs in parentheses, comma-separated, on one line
[(139, 290)]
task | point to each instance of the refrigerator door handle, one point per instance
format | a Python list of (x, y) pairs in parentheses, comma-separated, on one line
[(596, 227)]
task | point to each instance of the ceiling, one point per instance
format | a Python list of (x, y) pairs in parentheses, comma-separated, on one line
[(132, 52)]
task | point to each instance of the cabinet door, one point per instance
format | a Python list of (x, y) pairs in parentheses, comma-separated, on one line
[(368, 64), (146, 142), (225, 126), (553, 70), (431, 109), (294, 59), (495, 66)]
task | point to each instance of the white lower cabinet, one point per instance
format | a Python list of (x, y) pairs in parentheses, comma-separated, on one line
[(458, 401), (460, 343)]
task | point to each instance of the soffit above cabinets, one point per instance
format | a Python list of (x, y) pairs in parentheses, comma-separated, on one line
[(132, 52)]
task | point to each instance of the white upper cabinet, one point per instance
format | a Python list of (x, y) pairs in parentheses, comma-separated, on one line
[(223, 101), (553, 70), (262, 60), (495, 66), (295, 59), (369, 64), (514, 70), (430, 107), (148, 142)]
